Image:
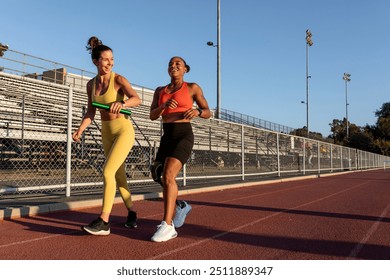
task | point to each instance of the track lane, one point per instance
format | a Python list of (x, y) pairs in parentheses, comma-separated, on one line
[(339, 217)]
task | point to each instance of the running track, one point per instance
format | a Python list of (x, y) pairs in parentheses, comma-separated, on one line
[(334, 217)]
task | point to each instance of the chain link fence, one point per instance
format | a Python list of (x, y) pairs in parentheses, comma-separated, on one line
[(37, 155)]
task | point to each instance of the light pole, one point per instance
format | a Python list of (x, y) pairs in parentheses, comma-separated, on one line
[(346, 78), (218, 45), (309, 43), (307, 122)]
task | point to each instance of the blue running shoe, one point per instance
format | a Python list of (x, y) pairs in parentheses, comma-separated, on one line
[(181, 213)]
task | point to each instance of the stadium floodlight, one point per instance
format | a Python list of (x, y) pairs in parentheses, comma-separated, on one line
[(308, 38), (309, 43), (3, 49), (346, 78)]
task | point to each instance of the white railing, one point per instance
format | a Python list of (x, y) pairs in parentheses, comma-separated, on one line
[(38, 115)]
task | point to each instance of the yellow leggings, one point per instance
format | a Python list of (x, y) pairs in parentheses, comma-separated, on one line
[(118, 139)]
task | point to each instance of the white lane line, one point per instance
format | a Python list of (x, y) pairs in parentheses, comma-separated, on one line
[(368, 235), (144, 217), (35, 239), (213, 237), (250, 224)]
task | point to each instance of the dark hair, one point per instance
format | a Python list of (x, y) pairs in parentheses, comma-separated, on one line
[(96, 47), (182, 59)]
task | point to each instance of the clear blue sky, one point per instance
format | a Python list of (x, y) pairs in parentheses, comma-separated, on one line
[(263, 49)]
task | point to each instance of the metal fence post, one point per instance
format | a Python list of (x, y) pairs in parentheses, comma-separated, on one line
[(242, 153), (23, 114), (331, 157), (185, 175), (304, 157), (278, 153), (69, 143), (319, 157), (349, 159)]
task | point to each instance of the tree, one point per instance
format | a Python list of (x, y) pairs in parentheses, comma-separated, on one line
[(383, 122), (384, 111), (3, 49), (339, 131), (361, 138), (312, 135), (300, 132), (371, 138), (382, 129)]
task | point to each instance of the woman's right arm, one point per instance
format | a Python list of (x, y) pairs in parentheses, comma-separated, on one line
[(155, 110), (89, 116)]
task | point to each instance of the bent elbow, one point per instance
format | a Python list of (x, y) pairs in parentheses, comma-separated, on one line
[(138, 101)]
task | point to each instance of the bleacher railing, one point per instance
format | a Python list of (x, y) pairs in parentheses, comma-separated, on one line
[(237, 117), (25, 65)]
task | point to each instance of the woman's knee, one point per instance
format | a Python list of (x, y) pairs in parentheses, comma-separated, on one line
[(172, 168), (109, 174), (169, 179)]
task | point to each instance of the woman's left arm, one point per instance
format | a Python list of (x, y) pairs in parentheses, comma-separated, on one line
[(200, 100), (133, 99)]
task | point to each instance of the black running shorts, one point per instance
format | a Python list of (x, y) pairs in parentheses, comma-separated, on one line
[(177, 142)]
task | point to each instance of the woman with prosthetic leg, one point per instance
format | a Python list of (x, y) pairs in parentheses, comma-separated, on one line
[(174, 103)]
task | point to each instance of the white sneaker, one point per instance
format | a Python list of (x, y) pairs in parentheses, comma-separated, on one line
[(164, 232)]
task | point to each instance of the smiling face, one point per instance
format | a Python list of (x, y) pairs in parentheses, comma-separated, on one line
[(105, 63), (176, 67)]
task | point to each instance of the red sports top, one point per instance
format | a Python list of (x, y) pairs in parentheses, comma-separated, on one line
[(182, 96)]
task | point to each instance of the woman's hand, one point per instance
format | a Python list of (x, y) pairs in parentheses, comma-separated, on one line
[(76, 136), (191, 113), (171, 104), (116, 107)]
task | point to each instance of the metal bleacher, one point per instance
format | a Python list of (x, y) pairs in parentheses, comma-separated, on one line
[(36, 112)]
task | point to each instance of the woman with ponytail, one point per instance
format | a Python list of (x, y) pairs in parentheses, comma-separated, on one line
[(117, 132)]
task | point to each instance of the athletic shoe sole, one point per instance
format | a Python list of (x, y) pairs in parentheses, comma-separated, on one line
[(101, 233), (131, 226), (165, 239)]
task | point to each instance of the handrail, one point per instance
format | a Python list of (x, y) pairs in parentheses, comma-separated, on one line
[(236, 117)]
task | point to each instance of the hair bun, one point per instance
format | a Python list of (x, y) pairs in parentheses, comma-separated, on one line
[(93, 42)]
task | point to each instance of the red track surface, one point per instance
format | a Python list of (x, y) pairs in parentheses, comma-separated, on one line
[(336, 217)]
